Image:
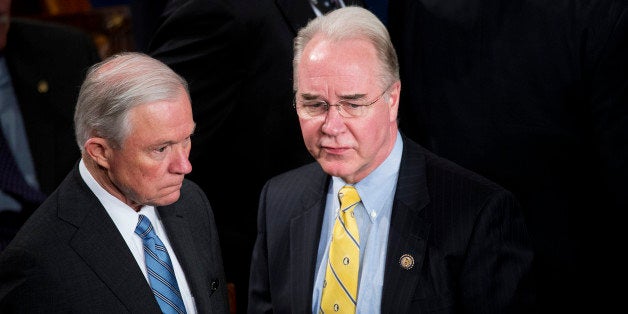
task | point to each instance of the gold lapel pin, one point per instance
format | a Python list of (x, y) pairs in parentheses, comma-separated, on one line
[(42, 86), (406, 261)]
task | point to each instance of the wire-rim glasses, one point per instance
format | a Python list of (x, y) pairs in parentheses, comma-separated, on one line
[(308, 109)]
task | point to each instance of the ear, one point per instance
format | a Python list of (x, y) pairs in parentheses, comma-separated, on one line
[(392, 100), (99, 151)]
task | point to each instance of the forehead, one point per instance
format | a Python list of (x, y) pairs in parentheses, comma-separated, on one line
[(166, 117), (349, 61)]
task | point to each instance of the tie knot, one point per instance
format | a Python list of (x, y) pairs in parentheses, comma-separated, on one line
[(144, 228), (348, 197)]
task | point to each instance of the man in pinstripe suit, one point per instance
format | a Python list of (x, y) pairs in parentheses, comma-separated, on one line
[(433, 237)]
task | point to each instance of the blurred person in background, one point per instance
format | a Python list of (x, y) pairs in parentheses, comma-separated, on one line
[(42, 66)]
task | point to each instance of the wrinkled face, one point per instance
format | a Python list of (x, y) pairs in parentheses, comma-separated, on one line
[(5, 8), (349, 148), (150, 166)]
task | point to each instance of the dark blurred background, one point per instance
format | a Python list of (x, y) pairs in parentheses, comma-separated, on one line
[(115, 25)]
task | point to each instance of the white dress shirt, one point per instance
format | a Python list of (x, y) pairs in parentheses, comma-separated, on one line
[(125, 219)]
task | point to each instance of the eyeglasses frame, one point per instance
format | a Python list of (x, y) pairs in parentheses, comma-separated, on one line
[(339, 104)]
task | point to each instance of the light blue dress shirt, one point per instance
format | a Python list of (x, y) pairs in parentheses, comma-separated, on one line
[(377, 192), (15, 134)]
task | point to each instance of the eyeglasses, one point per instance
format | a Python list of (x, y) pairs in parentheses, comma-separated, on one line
[(308, 109)]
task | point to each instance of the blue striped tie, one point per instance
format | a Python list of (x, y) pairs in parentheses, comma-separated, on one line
[(160, 272)]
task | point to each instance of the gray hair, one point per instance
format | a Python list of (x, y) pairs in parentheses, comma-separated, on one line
[(351, 23), (115, 86)]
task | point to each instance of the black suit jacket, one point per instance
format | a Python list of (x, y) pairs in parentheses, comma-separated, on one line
[(466, 235), (70, 257), (237, 57)]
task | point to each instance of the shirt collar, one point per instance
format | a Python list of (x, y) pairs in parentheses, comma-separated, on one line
[(380, 185), (123, 215)]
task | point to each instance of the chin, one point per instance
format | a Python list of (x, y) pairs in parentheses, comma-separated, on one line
[(335, 169), (168, 199)]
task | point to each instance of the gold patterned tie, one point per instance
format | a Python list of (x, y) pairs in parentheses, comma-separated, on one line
[(340, 288)]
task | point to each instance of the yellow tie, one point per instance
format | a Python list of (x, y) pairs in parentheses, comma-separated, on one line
[(340, 288)]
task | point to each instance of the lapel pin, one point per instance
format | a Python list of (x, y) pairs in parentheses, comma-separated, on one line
[(406, 261), (42, 86)]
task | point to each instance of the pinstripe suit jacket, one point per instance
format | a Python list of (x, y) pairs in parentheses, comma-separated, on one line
[(466, 234), (70, 257)]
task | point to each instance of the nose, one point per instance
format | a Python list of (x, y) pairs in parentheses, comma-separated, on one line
[(334, 123), (180, 162)]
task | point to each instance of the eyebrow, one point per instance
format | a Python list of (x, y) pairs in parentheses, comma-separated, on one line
[(171, 142), (308, 96)]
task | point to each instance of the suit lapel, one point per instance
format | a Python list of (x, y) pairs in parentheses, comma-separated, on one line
[(305, 231), (183, 243), (408, 232), (408, 235), (101, 246)]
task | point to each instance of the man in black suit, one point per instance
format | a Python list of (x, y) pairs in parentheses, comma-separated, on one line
[(430, 235), (237, 55), (82, 251), (534, 96), (43, 66)]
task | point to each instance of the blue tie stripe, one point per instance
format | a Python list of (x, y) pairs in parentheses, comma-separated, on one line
[(349, 206), (342, 285), (165, 282), (166, 300), (157, 259), (342, 222), (159, 268)]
